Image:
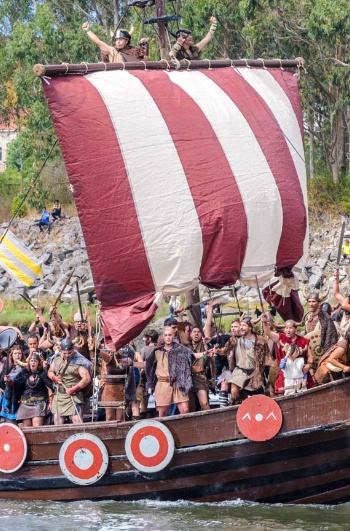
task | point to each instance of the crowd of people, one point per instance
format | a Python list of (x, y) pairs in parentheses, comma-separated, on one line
[(49, 377)]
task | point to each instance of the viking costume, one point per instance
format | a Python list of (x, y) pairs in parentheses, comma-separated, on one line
[(67, 405), (169, 373), (126, 55), (322, 375), (191, 54), (199, 369), (322, 334), (31, 391), (251, 357), (117, 389), (141, 390)]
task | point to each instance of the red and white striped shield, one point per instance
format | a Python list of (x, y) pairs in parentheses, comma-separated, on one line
[(182, 177)]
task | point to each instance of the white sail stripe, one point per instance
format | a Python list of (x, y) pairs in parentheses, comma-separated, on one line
[(256, 183), (140, 127), (279, 104)]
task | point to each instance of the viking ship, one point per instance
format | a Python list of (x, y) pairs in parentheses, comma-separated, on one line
[(180, 177)]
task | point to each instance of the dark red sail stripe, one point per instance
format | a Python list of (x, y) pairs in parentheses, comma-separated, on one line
[(270, 136), (101, 190), (209, 177)]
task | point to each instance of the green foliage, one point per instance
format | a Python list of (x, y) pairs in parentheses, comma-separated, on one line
[(16, 202), (10, 185), (326, 196), (50, 32)]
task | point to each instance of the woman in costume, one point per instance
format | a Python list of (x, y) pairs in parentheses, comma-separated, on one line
[(35, 392)]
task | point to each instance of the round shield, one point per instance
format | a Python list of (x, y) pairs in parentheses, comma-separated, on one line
[(259, 418), (83, 458), (315, 347), (8, 338), (149, 446), (13, 448)]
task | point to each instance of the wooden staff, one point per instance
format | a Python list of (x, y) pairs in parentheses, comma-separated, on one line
[(85, 68), (58, 299)]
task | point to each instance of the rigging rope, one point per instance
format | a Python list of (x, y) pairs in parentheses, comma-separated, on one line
[(31, 186)]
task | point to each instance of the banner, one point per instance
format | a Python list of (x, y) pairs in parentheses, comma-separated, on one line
[(18, 260)]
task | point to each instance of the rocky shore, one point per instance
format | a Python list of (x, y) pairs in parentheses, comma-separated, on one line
[(63, 251), (60, 253)]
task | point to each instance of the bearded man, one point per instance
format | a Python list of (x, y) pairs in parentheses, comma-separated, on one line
[(251, 357), (320, 329), (71, 372)]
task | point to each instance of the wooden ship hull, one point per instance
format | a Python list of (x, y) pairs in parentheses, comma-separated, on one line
[(306, 462)]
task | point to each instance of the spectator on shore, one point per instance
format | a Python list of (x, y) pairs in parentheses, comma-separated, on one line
[(45, 220), (56, 210)]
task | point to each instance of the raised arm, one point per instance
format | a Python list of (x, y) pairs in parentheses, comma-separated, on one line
[(209, 35), (344, 301), (105, 48), (267, 330)]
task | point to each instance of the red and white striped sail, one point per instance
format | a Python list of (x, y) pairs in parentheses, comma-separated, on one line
[(182, 177)]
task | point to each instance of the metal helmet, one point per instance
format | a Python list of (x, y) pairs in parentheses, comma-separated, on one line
[(314, 295), (79, 318), (67, 344), (327, 308), (121, 34), (247, 320), (182, 31)]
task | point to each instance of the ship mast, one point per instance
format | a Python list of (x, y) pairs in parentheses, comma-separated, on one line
[(162, 31)]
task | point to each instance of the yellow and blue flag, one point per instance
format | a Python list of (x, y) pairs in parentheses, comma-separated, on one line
[(18, 260)]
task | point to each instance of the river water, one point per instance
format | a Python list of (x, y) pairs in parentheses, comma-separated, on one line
[(170, 516)]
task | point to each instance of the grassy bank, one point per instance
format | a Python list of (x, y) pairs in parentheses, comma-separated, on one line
[(20, 314)]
